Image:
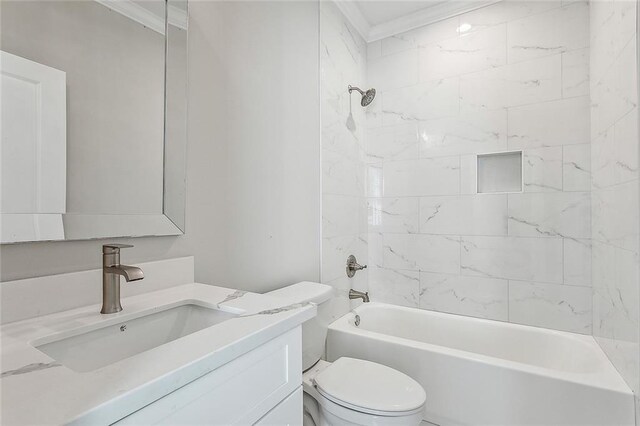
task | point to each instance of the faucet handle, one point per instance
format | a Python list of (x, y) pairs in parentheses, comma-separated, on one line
[(114, 248), (353, 266)]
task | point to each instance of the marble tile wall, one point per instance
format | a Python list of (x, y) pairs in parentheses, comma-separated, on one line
[(344, 205), (516, 79), (614, 205)]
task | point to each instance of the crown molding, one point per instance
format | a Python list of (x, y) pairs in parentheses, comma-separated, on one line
[(177, 17), (354, 16), (408, 22)]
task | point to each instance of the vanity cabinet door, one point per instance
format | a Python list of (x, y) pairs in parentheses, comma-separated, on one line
[(287, 413), (240, 392)]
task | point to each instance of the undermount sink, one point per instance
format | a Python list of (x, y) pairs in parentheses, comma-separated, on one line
[(97, 348)]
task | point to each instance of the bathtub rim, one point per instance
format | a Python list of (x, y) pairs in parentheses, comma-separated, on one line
[(608, 378)]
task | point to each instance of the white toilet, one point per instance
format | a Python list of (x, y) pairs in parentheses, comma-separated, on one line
[(348, 391)]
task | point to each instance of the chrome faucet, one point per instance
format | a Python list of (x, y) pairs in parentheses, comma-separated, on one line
[(355, 294), (111, 272)]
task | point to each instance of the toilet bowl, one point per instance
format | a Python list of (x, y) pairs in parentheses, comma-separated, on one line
[(348, 391)]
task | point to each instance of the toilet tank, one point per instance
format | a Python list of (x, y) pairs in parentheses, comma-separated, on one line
[(314, 331)]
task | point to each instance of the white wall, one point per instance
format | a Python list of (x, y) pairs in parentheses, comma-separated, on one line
[(253, 197), (254, 168), (344, 209), (517, 80), (615, 217)]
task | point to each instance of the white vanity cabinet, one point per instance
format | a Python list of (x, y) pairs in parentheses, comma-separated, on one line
[(262, 387)]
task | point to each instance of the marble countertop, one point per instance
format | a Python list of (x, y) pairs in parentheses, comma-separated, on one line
[(35, 389)]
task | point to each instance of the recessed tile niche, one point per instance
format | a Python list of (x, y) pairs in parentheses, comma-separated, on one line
[(500, 172)]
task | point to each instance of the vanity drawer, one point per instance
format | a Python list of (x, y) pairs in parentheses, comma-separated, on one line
[(240, 392), (287, 413)]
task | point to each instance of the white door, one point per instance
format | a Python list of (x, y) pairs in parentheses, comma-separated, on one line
[(32, 149)]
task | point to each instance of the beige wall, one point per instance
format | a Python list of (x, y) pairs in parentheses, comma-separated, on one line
[(253, 203)]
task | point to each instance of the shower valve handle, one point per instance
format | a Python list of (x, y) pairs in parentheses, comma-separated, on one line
[(353, 266)]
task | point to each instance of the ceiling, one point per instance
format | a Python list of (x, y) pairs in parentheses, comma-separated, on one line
[(379, 12), (377, 19)]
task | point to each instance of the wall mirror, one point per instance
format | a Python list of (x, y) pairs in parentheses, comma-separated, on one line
[(93, 119)]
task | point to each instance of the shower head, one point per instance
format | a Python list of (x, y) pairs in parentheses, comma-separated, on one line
[(367, 97)]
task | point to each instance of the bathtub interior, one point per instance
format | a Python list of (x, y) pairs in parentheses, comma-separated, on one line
[(550, 349)]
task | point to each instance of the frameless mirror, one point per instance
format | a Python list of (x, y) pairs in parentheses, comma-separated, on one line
[(93, 118)]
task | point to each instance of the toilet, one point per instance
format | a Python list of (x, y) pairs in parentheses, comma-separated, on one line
[(348, 391)]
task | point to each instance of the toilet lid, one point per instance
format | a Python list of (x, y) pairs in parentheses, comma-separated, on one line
[(369, 386)]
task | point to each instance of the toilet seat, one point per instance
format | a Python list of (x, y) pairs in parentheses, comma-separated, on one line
[(370, 388), (338, 415)]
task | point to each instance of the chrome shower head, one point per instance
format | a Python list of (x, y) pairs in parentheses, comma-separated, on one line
[(367, 97)]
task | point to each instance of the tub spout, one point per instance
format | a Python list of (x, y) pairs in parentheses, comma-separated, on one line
[(355, 294)]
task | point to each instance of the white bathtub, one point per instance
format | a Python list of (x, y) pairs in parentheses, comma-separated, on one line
[(480, 372)]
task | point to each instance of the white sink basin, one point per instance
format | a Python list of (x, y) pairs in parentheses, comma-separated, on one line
[(90, 350)]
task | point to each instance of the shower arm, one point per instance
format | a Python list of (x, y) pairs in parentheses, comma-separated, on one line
[(352, 88)]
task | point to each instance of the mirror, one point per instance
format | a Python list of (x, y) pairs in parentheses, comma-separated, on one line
[(93, 119)]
